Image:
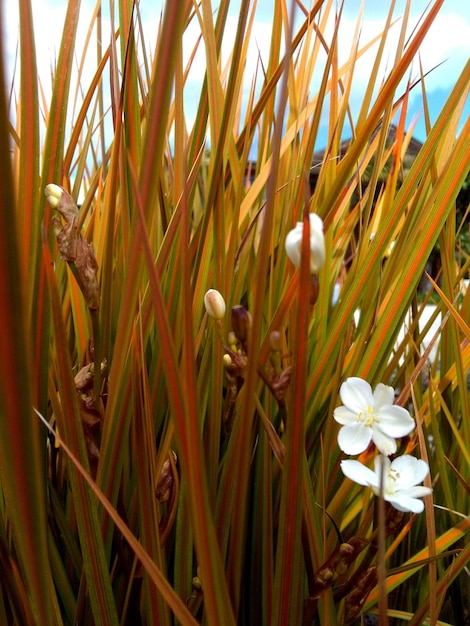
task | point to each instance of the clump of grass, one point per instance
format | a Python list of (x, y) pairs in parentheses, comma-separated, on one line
[(187, 469)]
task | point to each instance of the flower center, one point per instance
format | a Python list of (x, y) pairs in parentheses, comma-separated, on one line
[(391, 479), (367, 417)]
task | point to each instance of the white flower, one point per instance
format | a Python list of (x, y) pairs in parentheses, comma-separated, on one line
[(317, 244), (370, 416), (214, 303), (400, 479)]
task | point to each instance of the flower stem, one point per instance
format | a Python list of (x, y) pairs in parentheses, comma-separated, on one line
[(381, 572)]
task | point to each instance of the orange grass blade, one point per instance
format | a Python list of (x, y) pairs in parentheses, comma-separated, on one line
[(70, 423), (443, 543), (176, 604), (187, 431), (22, 442), (28, 189), (287, 587), (51, 172)]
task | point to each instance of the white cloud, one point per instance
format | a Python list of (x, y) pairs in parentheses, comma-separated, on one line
[(446, 42)]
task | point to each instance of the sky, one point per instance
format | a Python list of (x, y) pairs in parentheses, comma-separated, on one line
[(445, 51)]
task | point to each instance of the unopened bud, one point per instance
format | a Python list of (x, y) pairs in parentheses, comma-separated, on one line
[(215, 304), (346, 550), (389, 250), (166, 479), (232, 341), (63, 202), (241, 324), (53, 194), (275, 341), (73, 246), (317, 244), (314, 289)]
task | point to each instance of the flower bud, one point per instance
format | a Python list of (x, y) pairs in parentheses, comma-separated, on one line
[(389, 250), (275, 341), (227, 360), (241, 324), (53, 194), (166, 480), (314, 289), (317, 244), (63, 202), (73, 246), (232, 341), (215, 304), (196, 582)]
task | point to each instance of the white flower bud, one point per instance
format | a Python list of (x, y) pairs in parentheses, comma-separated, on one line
[(215, 304), (53, 194), (227, 360), (317, 244)]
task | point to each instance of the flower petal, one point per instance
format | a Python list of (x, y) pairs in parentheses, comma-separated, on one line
[(385, 444), (354, 438), (404, 497), (417, 492), (343, 415), (395, 421), (410, 471), (356, 394), (359, 473), (293, 244), (317, 243), (381, 461), (383, 395), (404, 503)]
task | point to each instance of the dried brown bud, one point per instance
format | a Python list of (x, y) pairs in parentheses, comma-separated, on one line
[(241, 324), (237, 364), (73, 247), (165, 482), (346, 550), (394, 519), (355, 600), (87, 273), (324, 576), (280, 384), (84, 379), (314, 289), (63, 202), (338, 564), (66, 239)]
